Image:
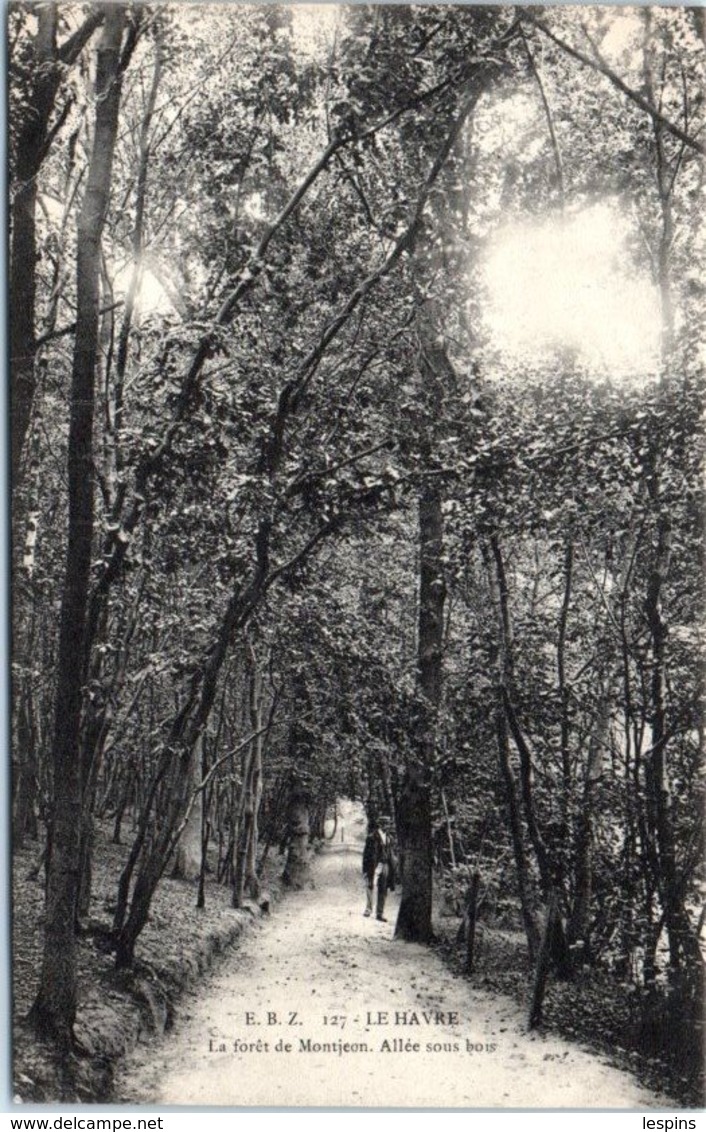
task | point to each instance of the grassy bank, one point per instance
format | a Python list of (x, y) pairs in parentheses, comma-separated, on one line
[(116, 1009)]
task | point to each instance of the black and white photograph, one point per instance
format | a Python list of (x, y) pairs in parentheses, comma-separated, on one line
[(356, 447)]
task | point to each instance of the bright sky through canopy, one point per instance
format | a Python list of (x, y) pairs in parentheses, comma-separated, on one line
[(312, 25), (570, 283)]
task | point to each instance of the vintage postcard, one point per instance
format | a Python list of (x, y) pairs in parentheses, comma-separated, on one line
[(356, 375)]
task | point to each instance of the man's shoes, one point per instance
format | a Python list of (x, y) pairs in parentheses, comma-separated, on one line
[(366, 913), (383, 918)]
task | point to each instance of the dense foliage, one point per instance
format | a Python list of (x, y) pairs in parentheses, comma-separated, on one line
[(337, 538)]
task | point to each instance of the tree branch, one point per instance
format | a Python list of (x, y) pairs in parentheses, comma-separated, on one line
[(598, 64), (51, 335), (548, 115), (69, 51), (305, 480), (403, 242)]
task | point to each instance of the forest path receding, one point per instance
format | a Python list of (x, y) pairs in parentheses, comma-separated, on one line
[(318, 961)]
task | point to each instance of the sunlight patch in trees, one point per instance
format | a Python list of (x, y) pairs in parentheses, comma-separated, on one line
[(152, 296), (569, 284), (313, 26)]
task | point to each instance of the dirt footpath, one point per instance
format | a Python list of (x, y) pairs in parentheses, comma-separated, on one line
[(320, 1006)]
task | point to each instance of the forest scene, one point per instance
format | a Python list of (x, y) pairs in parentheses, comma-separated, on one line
[(357, 391)]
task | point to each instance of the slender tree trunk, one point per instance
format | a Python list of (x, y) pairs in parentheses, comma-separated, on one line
[(175, 763), (54, 1010), (205, 837), (583, 848), (567, 776), (498, 662), (524, 883), (251, 880), (545, 865), (244, 824), (627, 772), (25, 769), (544, 958), (449, 831), (659, 809)]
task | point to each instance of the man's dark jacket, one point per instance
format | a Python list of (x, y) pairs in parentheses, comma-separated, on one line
[(378, 853)]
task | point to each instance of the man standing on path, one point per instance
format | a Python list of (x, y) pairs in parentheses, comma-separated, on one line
[(378, 866)]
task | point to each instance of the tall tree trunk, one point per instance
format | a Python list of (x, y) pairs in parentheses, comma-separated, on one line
[(54, 1010), (414, 831), (414, 921), (188, 853), (297, 870), (31, 147), (94, 727), (35, 137)]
